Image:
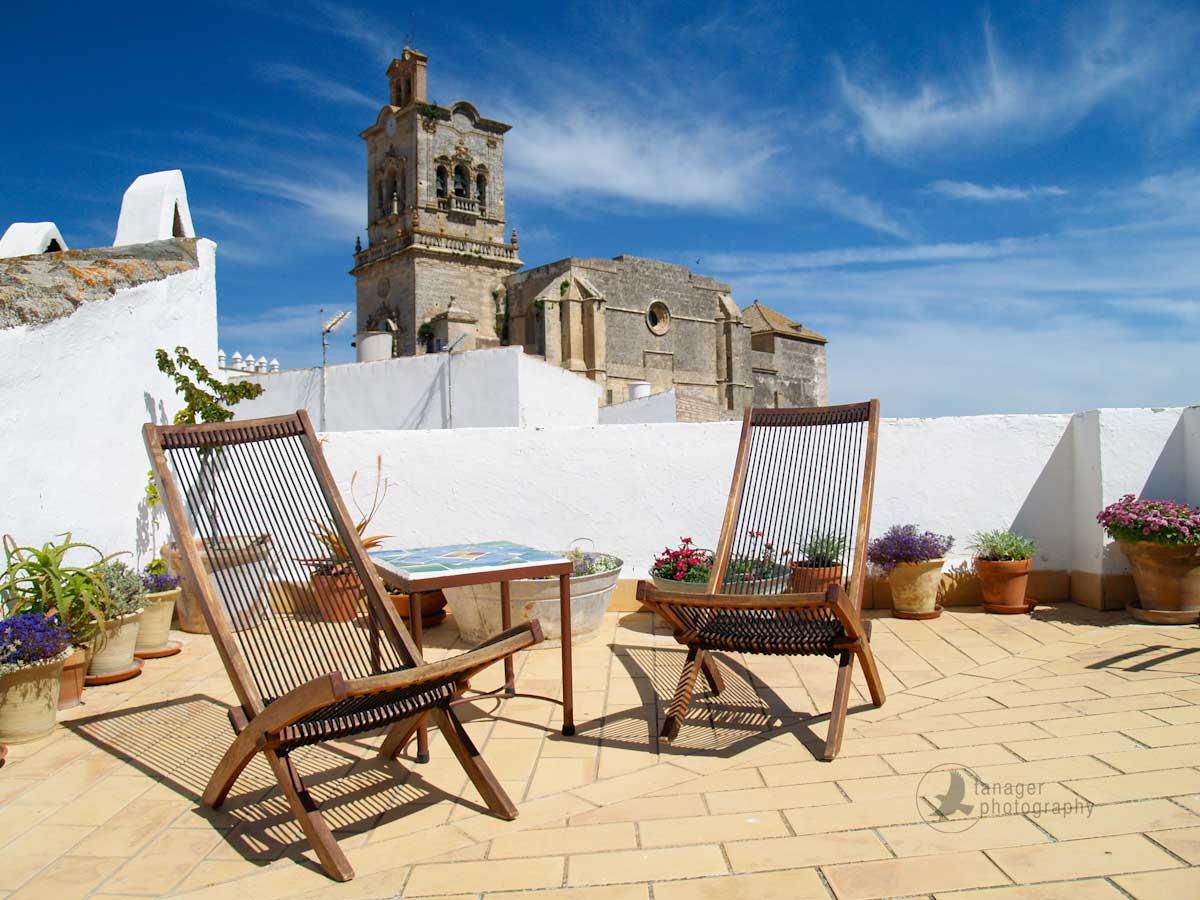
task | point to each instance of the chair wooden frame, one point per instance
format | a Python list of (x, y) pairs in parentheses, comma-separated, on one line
[(266, 728), (853, 641)]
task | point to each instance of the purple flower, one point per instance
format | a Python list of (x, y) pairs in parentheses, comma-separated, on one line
[(29, 638), (904, 544)]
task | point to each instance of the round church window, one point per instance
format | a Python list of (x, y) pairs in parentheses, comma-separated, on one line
[(658, 317)]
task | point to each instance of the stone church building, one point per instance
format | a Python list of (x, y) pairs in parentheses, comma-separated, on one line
[(439, 268)]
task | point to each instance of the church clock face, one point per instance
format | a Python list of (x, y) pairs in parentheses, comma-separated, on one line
[(390, 127)]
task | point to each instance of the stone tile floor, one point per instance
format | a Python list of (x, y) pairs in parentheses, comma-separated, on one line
[(1076, 731)]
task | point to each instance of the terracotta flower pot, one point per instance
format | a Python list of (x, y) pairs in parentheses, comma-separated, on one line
[(112, 653), (230, 552), (806, 579), (433, 607), (1167, 581), (74, 670), (338, 598), (915, 589), (1003, 582), (154, 635), (29, 702)]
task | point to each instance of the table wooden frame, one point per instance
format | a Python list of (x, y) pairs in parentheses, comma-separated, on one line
[(427, 583)]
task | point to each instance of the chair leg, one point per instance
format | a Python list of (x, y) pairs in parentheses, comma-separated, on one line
[(867, 659), (683, 694), (841, 703), (712, 672), (333, 861), (236, 758), (471, 760), (400, 734)]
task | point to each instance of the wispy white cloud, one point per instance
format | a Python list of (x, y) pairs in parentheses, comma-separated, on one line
[(316, 85), (967, 190), (858, 208), (327, 193), (994, 98)]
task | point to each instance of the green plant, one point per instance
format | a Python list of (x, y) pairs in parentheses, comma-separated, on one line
[(337, 556), (823, 550), (563, 287), (126, 593), (758, 563), (998, 545), (206, 399), (585, 563), (39, 580)]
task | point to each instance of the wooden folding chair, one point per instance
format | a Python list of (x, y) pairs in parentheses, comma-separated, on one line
[(802, 477), (301, 679)]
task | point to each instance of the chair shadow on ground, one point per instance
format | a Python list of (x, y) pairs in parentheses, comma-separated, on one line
[(717, 725), (178, 743), (1139, 660)]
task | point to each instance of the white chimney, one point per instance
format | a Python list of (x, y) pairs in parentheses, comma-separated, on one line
[(274, 365), (237, 360), (220, 359), (262, 364)]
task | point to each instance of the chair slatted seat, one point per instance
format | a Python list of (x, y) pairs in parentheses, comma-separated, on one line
[(252, 506), (803, 483)]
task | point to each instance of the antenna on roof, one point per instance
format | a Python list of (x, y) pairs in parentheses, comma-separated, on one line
[(330, 325)]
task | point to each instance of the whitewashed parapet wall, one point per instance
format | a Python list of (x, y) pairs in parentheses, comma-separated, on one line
[(479, 389), (78, 379), (635, 488)]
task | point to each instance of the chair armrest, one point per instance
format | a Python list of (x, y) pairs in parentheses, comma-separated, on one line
[(649, 594)]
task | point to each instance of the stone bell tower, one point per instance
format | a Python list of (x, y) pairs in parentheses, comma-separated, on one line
[(436, 255)]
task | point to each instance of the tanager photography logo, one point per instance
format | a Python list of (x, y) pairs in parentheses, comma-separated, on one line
[(953, 798)]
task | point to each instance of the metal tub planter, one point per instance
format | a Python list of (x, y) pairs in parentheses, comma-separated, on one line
[(476, 608)]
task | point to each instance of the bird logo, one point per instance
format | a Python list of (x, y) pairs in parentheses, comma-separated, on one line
[(951, 802), (941, 795)]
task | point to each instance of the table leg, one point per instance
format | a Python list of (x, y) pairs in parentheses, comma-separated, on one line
[(510, 677), (564, 613), (415, 627)]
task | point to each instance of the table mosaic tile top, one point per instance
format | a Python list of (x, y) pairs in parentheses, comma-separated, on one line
[(461, 559)]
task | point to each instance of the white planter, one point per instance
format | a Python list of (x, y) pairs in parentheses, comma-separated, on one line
[(114, 645), (476, 608), (155, 630), (29, 702)]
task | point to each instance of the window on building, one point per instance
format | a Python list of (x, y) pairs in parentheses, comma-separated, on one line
[(481, 190), (441, 181), (460, 182), (402, 189), (658, 317)]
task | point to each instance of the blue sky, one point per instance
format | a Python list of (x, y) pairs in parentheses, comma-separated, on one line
[(985, 208)]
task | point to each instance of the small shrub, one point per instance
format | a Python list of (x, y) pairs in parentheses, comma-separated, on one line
[(905, 544), (1001, 545), (126, 593), (590, 563), (823, 551)]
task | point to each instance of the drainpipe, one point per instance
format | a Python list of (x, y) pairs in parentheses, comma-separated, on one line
[(450, 383)]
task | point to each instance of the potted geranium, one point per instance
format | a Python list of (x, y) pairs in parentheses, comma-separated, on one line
[(1002, 562), (1161, 540), (39, 580), (913, 562), (112, 648), (684, 568), (32, 651), (161, 593), (819, 565)]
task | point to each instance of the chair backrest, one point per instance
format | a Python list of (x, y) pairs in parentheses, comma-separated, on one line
[(253, 506), (802, 488)]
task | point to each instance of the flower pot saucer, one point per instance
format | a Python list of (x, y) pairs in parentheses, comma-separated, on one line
[(1163, 616), (170, 648), (132, 672), (900, 614), (1003, 609)]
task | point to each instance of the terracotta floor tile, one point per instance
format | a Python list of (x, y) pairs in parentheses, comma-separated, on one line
[(924, 760), (794, 884), (35, 849), (164, 862), (646, 865), (1075, 745), (711, 829), (1159, 885), (1082, 858), (1117, 818), (1166, 735), (974, 736), (785, 797), (68, 878), (1183, 842), (1092, 724), (987, 833), (1138, 786), (599, 892), (563, 841), (500, 875), (916, 875), (1088, 889), (766, 854), (642, 809), (1142, 760)]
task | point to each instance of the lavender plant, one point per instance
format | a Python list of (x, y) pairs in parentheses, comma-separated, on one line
[(29, 639), (905, 544)]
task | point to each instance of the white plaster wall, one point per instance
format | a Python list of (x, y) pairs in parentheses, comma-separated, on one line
[(1190, 423), (480, 389), (658, 407), (74, 394), (959, 475), (1087, 543), (550, 395)]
